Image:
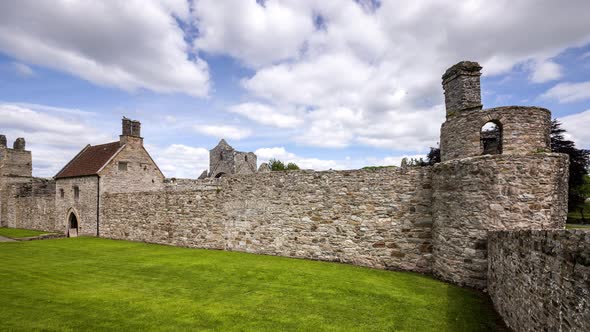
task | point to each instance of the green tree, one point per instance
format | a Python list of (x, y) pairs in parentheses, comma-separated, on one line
[(578, 169), (292, 167), (277, 165)]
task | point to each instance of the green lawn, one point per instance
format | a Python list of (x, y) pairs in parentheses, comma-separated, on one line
[(15, 233), (576, 217), (576, 226), (97, 284)]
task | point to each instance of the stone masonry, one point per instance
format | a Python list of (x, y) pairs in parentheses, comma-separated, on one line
[(373, 218), (463, 220), (540, 280), (225, 160), (472, 196)]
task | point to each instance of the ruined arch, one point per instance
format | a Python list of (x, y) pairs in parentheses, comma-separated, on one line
[(490, 137)]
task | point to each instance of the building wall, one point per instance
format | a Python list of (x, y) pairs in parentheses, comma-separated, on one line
[(31, 205), (373, 218), (142, 174), (85, 207), (15, 167), (472, 196), (540, 280), (525, 130)]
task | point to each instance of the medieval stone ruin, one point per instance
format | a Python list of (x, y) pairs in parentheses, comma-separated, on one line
[(491, 215)]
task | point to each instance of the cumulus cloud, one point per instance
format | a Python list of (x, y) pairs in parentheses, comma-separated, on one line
[(223, 131), (126, 44), (267, 115), (546, 71), (280, 153), (577, 126), (54, 135), (569, 92), (180, 161), (255, 33), (380, 62)]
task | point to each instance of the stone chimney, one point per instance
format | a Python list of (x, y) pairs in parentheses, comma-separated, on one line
[(2, 141), (19, 144), (131, 131), (462, 87), (131, 127)]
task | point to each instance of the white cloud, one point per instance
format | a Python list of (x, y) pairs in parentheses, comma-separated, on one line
[(180, 161), (280, 153), (254, 33), (54, 135), (126, 44), (23, 69), (569, 92), (223, 131), (381, 65), (267, 115), (577, 126), (545, 71)]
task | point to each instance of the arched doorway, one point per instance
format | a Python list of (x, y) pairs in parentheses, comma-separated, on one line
[(220, 174), (72, 225)]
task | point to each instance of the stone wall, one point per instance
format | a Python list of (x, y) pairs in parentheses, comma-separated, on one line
[(525, 130), (85, 207), (472, 196), (31, 205), (540, 280), (141, 172), (377, 218)]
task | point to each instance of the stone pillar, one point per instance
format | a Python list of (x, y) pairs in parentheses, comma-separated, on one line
[(19, 144), (462, 87), (2, 141)]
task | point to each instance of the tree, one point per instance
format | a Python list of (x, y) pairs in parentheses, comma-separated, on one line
[(579, 163), (433, 156), (277, 165), (292, 167)]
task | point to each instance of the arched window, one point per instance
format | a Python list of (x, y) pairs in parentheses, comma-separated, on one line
[(491, 138)]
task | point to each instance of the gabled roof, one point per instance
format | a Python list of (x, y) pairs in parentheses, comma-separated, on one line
[(90, 160)]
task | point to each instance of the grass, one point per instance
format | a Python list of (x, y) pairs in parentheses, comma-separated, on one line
[(576, 226), (15, 233), (576, 216), (99, 284)]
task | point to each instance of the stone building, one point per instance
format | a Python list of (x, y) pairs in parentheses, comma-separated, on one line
[(116, 167), (225, 160), (467, 220), (15, 167)]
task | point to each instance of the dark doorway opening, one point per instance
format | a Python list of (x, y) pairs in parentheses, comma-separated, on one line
[(73, 225), (491, 138)]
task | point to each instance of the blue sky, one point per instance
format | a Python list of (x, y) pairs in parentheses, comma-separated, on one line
[(331, 84)]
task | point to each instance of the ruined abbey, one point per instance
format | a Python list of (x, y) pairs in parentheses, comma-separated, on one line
[(491, 215)]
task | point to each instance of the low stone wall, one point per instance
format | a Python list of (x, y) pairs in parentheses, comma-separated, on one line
[(472, 196), (377, 218), (31, 205), (540, 280)]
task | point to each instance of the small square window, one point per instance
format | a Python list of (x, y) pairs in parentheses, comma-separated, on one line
[(61, 193), (122, 165), (76, 192)]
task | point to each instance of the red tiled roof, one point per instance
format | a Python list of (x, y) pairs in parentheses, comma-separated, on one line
[(89, 161)]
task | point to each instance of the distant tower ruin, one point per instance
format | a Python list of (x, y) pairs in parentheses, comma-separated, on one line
[(225, 160), (15, 167)]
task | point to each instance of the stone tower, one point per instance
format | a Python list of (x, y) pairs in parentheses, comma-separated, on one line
[(15, 167), (519, 186), (225, 160)]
